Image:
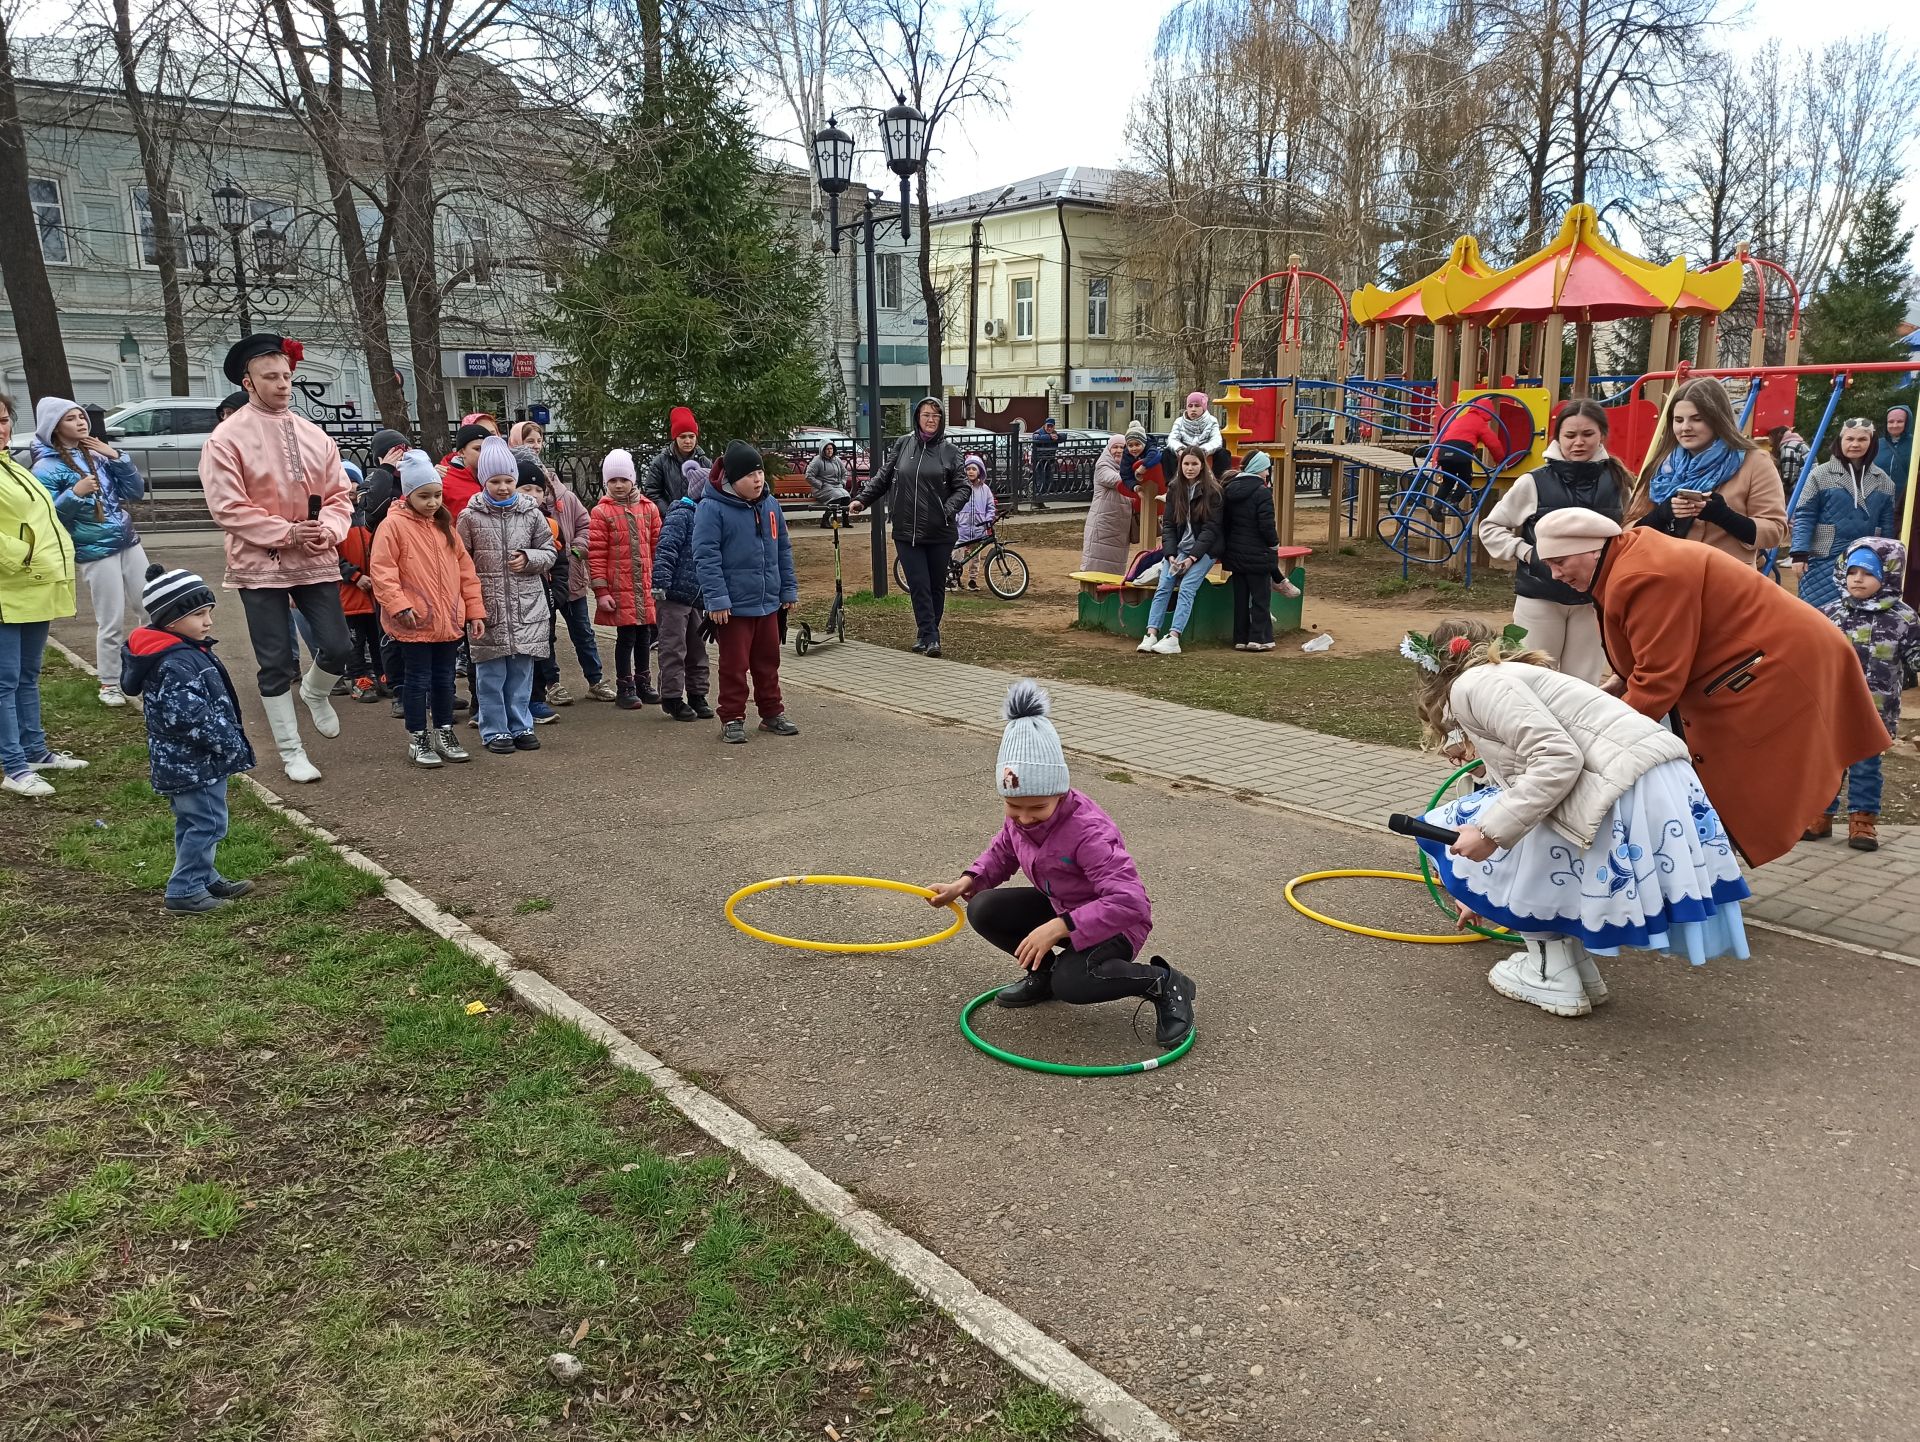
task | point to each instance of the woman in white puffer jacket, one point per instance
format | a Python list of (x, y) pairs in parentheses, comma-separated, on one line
[(1594, 833)]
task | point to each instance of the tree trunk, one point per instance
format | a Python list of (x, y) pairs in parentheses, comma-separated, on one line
[(653, 81), (936, 377), (22, 266), (405, 106), (156, 169)]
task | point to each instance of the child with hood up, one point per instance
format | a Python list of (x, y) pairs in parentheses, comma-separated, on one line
[(1196, 428), (1885, 631), (676, 602), (976, 518), (512, 549), (744, 559), (621, 535)]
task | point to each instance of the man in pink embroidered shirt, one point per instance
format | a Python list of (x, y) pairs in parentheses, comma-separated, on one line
[(275, 485)]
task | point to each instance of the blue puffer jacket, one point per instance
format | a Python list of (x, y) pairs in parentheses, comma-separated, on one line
[(673, 568), (194, 735), (742, 554), (100, 524)]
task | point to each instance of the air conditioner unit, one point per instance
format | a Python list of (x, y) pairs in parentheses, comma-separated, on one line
[(994, 329)]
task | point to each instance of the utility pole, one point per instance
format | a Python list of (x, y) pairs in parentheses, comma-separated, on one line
[(973, 307)]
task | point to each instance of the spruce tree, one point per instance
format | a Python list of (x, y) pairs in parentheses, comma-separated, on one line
[(703, 293), (1857, 317)]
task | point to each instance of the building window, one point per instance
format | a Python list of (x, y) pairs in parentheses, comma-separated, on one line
[(143, 227), (887, 281), (472, 250), (1100, 415), (50, 219), (373, 224), (1097, 290), (1142, 297), (1023, 310)]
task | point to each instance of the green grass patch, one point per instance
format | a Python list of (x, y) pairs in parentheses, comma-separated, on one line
[(263, 1175)]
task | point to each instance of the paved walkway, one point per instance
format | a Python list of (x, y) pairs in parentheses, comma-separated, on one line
[(1823, 890)]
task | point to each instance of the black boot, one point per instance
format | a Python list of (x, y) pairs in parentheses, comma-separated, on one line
[(648, 696), (625, 697), (676, 708), (700, 707), (1172, 997), (1032, 988)]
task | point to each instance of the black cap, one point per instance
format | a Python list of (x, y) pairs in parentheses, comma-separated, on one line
[(258, 344), (467, 435), (531, 472), (740, 461), (386, 440), (236, 401)]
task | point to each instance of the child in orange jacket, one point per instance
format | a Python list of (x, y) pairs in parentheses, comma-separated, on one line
[(621, 536)]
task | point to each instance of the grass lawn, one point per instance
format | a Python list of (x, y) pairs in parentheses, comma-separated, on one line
[(300, 1169)]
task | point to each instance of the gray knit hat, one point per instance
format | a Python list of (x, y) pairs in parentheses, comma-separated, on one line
[(169, 595), (1031, 761)]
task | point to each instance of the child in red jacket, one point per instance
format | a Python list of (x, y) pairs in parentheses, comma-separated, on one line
[(356, 596), (621, 535)]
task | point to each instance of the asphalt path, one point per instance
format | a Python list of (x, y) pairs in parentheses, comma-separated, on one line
[(1375, 1201)]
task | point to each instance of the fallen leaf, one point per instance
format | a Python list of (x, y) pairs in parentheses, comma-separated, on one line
[(476, 1008), (581, 1330), (833, 1432)]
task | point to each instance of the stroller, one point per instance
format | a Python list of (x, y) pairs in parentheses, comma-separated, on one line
[(835, 518)]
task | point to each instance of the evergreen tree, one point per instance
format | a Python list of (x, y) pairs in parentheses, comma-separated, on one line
[(703, 292), (1857, 316)]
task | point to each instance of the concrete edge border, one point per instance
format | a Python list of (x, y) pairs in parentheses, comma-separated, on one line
[(1276, 803), (1109, 1408)]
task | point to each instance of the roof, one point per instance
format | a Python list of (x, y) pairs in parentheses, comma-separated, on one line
[(1080, 184)]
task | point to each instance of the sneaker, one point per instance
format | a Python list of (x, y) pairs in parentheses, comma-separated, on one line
[(194, 905), (1148, 642), (919, 648), (1167, 645), (602, 690), (677, 708), (447, 743), (420, 751), (544, 714), (396, 710), (1263, 645), (734, 733), (460, 703), (112, 696), (1241, 646), (500, 745), (1546, 975), (526, 741), (1172, 998), (57, 761), (934, 650), (341, 687), (227, 890), (1033, 988), (700, 707), (779, 725), (558, 695), (365, 691), (28, 783)]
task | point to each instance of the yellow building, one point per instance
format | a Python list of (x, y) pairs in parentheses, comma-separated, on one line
[(1049, 326)]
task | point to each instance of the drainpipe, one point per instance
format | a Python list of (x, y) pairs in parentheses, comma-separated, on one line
[(1066, 286)]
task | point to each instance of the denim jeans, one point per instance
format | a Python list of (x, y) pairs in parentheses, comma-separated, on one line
[(428, 688), (505, 685), (579, 618), (199, 825), (1188, 583), (1861, 789), (22, 647)]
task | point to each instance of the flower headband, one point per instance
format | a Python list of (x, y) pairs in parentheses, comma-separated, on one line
[(1420, 650)]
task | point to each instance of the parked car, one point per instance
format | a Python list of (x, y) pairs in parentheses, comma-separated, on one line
[(163, 436)]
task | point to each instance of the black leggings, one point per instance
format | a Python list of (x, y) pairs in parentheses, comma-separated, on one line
[(1106, 972), (1252, 607), (633, 654)]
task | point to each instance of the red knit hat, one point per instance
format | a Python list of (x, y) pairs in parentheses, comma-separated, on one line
[(680, 420)]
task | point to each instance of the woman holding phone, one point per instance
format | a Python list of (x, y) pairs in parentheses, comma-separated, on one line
[(1708, 482)]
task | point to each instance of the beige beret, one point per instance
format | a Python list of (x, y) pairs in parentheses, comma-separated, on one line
[(1570, 531)]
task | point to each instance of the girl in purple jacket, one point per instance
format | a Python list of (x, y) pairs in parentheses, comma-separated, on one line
[(1079, 928)]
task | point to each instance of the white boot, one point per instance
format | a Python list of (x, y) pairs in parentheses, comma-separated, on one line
[(1545, 975), (286, 738), (316, 689), (1591, 982)]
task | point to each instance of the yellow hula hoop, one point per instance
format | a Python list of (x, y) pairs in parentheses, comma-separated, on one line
[(874, 882), (1440, 938)]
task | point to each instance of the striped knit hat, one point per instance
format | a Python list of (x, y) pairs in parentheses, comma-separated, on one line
[(169, 595)]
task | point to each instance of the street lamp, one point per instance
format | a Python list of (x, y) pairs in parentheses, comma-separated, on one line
[(220, 284), (903, 134)]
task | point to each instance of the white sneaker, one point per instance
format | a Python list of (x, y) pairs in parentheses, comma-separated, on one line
[(112, 696), (1241, 646), (1167, 645), (32, 784), (58, 761), (1591, 981), (1544, 975), (1147, 642)]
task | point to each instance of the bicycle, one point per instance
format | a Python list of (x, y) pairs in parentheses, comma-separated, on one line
[(1005, 567)]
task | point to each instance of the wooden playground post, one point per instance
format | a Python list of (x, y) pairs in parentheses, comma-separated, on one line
[(1512, 330), (1582, 357), (1554, 337), (1657, 354), (1706, 355)]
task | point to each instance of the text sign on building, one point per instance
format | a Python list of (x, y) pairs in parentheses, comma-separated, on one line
[(523, 366), (501, 364), (1108, 380)]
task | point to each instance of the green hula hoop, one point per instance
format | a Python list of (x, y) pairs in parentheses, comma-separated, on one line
[(1056, 1068), (1492, 933)]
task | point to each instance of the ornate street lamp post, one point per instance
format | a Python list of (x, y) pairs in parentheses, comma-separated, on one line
[(219, 284)]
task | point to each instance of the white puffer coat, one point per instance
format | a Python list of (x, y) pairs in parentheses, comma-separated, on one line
[(1560, 750)]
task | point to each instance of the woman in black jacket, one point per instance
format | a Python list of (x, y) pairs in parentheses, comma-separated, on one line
[(930, 486), (1190, 538), (1249, 540)]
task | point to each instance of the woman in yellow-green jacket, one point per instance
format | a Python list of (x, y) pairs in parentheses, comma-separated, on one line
[(36, 588)]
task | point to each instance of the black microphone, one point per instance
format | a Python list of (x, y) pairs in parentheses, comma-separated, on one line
[(1413, 826), (313, 508)]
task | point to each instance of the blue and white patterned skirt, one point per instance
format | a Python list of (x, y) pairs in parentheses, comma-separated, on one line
[(1661, 874)]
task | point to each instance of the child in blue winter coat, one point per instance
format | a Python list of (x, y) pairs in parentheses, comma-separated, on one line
[(744, 559), (676, 602), (194, 737)]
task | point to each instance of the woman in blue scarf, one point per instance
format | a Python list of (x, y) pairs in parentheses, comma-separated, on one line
[(1711, 483)]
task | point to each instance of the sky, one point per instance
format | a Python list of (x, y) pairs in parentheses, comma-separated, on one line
[(1069, 82)]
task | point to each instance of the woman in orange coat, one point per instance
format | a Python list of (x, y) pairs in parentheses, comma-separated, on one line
[(429, 597), (1770, 697)]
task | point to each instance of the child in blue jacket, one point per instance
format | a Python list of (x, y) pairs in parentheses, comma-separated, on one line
[(744, 559), (194, 737), (676, 601)]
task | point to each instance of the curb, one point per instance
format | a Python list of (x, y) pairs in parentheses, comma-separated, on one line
[(1109, 1408)]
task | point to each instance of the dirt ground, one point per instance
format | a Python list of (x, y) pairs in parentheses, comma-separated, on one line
[(1376, 1201)]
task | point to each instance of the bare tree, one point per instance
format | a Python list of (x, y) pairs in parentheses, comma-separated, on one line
[(22, 265)]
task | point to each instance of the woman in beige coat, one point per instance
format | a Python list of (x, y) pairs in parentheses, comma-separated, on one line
[(1103, 546), (1709, 482), (1593, 833)]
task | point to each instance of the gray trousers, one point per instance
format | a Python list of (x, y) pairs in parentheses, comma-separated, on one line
[(683, 651), (269, 627)]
